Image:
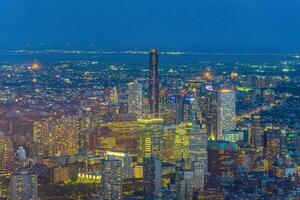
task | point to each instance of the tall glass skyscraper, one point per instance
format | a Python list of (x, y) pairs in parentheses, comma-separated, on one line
[(135, 98), (153, 83), (226, 112), (150, 137), (152, 177), (23, 185), (198, 155), (111, 179), (6, 154)]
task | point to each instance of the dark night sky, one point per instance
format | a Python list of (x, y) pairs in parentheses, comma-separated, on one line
[(202, 25)]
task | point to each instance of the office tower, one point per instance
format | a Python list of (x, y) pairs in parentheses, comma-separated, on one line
[(150, 138), (152, 177), (183, 108), (65, 136), (82, 126), (135, 98), (57, 136), (6, 154), (222, 158), (111, 179), (199, 169), (20, 157), (125, 126), (114, 96), (153, 83), (86, 121), (198, 155), (42, 139), (127, 168), (168, 147), (226, 112), (23, 185), (272, 146), (167, 107), (165, 100), (198, 144), (256, 133), (61, 174), (182, 141), (184, 184), (195, 113), (209, 109)]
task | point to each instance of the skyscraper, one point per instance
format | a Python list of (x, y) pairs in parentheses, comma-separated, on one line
[(222, 158), (226, 112), (127, 168), (150, 138), (114, 96), (272, 146), (183, 107), (135, 98), (23, 185), (153, 83), (182, 141), (152, 177), (111, 179), (184, 184), (198, 155), (256, 133), (6, 154)]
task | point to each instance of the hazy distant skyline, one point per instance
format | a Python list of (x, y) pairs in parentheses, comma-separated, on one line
[(199, 25)]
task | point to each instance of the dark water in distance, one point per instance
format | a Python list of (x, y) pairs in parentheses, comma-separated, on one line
[(143, 58)]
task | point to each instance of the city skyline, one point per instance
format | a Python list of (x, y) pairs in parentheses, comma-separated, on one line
[(150, 100)]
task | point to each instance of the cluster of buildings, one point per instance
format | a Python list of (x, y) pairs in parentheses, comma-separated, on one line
[(208, 139)]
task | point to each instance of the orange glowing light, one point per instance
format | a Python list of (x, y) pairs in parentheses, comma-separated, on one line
[(35, 66), (207, 75), (226, 90), (234, 75)]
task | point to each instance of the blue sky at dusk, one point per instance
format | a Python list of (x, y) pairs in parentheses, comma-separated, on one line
[(196, 25)]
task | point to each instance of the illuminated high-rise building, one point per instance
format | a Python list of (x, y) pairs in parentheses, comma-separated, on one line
[(272, 146), (65, 136), (135, 98), (23, 185), (153, 83), (168, 147), (198, 144), (111, 179), (85, 122), (182, 141), (183, 108), (222, 158), (198, 155), (127, 168), (20, 158), (6, 154), (184, 184), (43, 139), (152, 177), (150, 138), (62, 136), (256, 133), (208, 106), (114, 96), (226, 112), (125, 126)]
